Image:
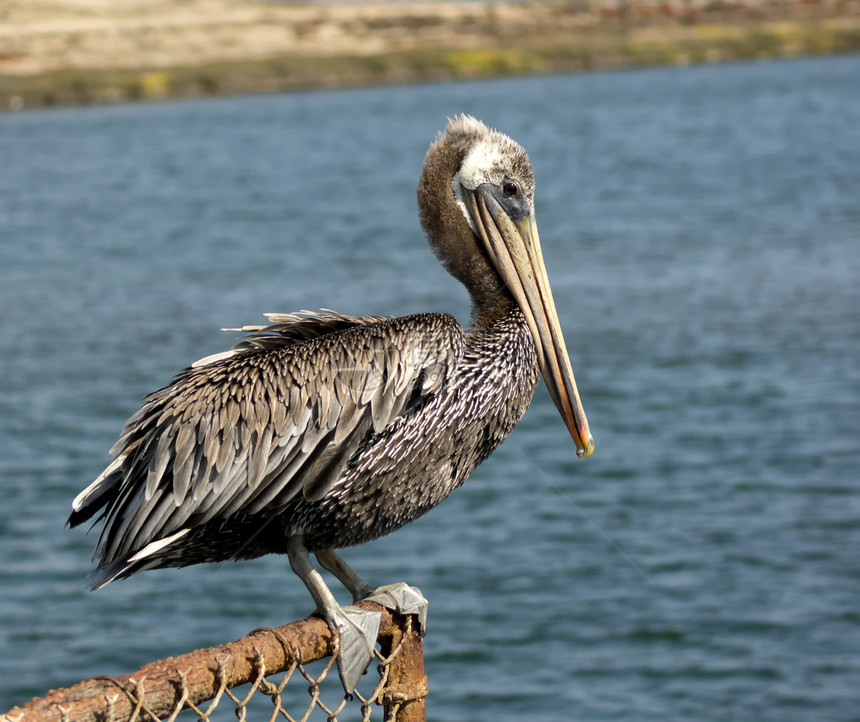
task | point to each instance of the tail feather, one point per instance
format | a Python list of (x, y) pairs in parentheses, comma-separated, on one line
[(117, 569), (151, 556), (95, 496)]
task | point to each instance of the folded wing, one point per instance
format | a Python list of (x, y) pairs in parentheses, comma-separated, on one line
[(246, 431)]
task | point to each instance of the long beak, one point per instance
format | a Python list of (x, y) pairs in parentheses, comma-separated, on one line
[(514, 247)]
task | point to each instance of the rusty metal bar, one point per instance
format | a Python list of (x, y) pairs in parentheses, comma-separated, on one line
[(405, 693), (158, 688)]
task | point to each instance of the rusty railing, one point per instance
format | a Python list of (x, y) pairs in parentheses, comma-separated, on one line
[(263, 664)]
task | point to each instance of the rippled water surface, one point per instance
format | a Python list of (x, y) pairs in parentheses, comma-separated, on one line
[(702, 232)]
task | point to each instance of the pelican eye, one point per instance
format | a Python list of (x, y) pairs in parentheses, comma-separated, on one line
[(510, 189)]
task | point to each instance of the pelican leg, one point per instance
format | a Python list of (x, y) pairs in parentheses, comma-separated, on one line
[(400, 596), (346, 575), (357, 629)]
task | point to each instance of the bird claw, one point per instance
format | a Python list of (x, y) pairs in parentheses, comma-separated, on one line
[(357, 630), (404, 599)]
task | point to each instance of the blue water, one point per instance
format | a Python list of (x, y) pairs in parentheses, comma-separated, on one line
[(702, 565)]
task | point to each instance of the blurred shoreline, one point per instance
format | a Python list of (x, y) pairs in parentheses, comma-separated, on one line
[(72, 52)]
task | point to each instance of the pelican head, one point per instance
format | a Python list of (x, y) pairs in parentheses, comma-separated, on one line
[(476, 200)]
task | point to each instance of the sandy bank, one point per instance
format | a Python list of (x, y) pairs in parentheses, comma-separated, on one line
[(78, 51)]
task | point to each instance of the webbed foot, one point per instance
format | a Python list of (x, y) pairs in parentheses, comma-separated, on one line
[(357, 630), (404, 599)]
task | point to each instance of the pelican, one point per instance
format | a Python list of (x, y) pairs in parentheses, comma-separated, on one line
[(321, 431)]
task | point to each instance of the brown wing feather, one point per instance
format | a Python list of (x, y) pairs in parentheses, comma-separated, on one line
[(247, 431)]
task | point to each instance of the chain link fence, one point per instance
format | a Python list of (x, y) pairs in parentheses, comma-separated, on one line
[(266, 675)]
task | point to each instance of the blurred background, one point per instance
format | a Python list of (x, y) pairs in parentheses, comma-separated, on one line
[(700, 226), (91, 51)]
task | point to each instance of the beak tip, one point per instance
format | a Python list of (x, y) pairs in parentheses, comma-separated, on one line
[(587, 450)]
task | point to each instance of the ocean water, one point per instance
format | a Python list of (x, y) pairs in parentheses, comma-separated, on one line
[(701, 227)]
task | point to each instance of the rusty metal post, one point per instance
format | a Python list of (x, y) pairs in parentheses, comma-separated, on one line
[(404, 696)]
